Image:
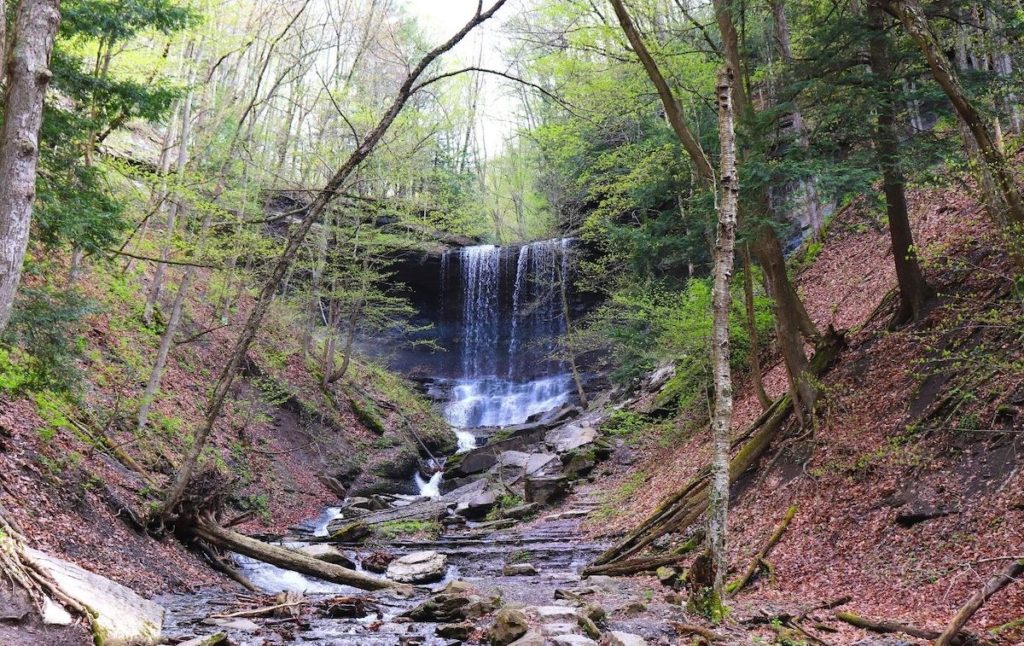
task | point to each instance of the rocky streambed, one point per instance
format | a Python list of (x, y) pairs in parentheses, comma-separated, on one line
[(496, 559)]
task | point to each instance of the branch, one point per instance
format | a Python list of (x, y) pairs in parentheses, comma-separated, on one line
[(180, 263), (505, 75)]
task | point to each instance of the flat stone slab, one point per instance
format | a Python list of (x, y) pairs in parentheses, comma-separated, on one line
[(418, 567), (616, 638), (569, 437), (121, 615), (572, 640), (553, 612)]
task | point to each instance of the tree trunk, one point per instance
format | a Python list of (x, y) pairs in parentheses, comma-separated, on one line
[(284, 262), (28, 74), (718, 493), (913, 288), (755, 344), (1010, 214), (209, 531)]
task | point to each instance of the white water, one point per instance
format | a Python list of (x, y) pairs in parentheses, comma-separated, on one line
[(516, 342), (430, 488), (324, 519)]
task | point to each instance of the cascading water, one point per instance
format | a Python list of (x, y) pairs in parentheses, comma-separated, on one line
[(511, 318)]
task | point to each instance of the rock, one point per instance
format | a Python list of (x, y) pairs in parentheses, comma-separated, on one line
[(54, 614), (418, 567), (545, 613), (674, 599), (357, 501), (377, 562), (378, 503), (478, 505), (633, 608), (519, 569), (570, 436), (531, 638), (471, 463), (566, 515), (509, 625), (328, 554), (347, 608), (666, 575), (595, 612), (616, 638), (588, 626), (520, 511), (209, 640), (546, 490), (458, 602), (576, 594), (350, 533), (572, 640), (604, 583), (460, 631), (577, 464), (123, 616), (550, 630)]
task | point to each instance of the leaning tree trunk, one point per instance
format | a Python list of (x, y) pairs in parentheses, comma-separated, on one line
[(755, 344), (718, 494), (28, 74), (1010, 214), (284, 262), (913, 288)]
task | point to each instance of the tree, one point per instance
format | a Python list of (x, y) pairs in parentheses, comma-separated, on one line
[(718, 494), (282, 265), (913, 289), (28, 74)]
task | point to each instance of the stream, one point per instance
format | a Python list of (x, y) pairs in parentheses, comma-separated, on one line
[(510, 315)]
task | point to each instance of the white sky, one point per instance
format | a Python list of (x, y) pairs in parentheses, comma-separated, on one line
[(441, 19)]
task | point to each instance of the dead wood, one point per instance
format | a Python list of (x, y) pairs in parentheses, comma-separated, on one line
[(978, 599), (208, 530), (884, 626), (684, 507), (759, 558), (691, 629), (633, 566)]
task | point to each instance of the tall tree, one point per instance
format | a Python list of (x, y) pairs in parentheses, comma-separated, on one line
[(28, 74), (728, 205), (913, 289)]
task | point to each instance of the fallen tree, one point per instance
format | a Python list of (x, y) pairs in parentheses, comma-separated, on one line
[(759, 559), (206, 528), (885, 626), (688, 504), (996, 583)]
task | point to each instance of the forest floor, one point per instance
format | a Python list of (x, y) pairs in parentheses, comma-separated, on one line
[(909, 489)]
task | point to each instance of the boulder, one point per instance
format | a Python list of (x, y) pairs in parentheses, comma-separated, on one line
[(551, 630), (458, 602), (545, 490), (519, 569), (349, 532), (531, 638), (588, 626), (666, 575), (509, 625), (594, 612), (616, 638), (460, 631), (554, 613), (578, 463), (570, 436), (328, 554), (477, 505), (418, 567), (520, 511), (121, 616), (210, 640)]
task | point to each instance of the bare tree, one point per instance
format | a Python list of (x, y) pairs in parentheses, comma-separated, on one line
[(28, 74), (284, 262)]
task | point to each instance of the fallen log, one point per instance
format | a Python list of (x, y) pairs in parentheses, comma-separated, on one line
[(633, 566), (737, 585), (208, 530), (978, 599), (883, 626), (687, 505), (691, 629), (426, 510)]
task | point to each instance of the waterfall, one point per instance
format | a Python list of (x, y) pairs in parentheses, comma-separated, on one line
[(511, 320)]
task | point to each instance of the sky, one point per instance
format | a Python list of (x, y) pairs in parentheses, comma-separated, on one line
[(441, 19)]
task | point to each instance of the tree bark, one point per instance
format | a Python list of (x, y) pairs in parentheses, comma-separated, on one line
[(28, 75), (978, 599), (284, 262), (755, 344), (718, 493), (913, 288), (1010, 214)]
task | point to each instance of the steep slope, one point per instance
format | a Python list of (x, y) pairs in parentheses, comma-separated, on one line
[(909, 485)]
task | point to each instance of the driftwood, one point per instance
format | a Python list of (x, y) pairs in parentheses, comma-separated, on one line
[(426, 510), (687, 505), (755, 564), (208, 530), (978, 599), (883, 626)]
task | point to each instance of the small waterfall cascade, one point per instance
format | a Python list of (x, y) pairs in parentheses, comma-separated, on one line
[(509, 307)]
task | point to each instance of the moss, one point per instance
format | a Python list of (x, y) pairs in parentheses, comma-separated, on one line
[(395, 528)]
